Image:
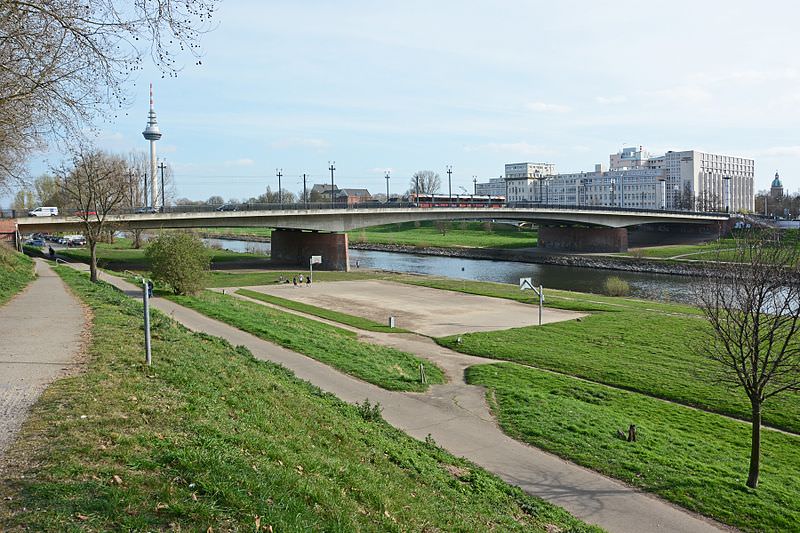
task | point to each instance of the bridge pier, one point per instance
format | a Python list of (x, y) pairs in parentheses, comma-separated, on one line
[(295, 248), (581, 239)]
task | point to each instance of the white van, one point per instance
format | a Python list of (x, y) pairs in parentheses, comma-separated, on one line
[(44, 212)]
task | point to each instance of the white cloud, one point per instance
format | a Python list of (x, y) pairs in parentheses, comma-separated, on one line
[(518, 148), (317, 144), (242, 162), (779, 151), (542, 107), (684, 94), (608, 100)]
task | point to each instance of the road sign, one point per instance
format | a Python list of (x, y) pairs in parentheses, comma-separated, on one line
[(316, 259), (525, 284)]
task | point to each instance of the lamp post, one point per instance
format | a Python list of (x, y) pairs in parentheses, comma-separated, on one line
[(387, 186), (279, 173), (161, 167), (540, 179), (332, 168), (449, 184), (305, 193)]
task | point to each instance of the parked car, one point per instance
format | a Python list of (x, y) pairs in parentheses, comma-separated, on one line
[(35, 242), (43, 212), (82, 213), (142, 210), (227, 207), (77, 240)]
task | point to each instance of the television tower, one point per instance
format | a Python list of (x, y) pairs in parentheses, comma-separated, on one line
[(152, 134)]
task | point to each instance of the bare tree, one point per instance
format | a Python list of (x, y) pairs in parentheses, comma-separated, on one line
[(64, 61), (94, 183), (426, 181), (753, 310)]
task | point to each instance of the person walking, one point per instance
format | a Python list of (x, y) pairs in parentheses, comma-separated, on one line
[(294, 280), (308, 280)]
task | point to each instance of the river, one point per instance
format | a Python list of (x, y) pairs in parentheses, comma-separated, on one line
[(662, 287)]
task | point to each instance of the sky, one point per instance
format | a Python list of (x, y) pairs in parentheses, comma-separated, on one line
[(407, 86)]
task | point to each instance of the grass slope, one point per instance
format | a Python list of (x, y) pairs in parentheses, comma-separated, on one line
[(457, 234), (697, 460), (210, 437), (16, 271), (335, 316), (381, 365)]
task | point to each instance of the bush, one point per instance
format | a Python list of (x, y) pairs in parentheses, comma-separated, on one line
[(615, 286), (179, 260)]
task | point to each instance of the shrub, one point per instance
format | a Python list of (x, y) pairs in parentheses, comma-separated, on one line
[(370, 412), (179, 260), (615, 286)]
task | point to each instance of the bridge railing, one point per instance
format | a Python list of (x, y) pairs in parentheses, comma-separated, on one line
[(11, 213)]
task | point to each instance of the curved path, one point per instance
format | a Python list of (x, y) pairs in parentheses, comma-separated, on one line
[(457, 417), (40, 338)]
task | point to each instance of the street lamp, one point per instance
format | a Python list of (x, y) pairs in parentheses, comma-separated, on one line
[(279, 173), (449, 184), (387, 186)]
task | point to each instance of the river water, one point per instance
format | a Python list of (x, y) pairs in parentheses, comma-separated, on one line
[(662, 287)]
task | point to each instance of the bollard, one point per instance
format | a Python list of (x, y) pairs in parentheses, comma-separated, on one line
[(391, 321), (146, 298), (422, 378)]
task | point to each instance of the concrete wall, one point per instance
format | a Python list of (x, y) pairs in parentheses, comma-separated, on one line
[(8, 232), (583, 239), (295, 248)]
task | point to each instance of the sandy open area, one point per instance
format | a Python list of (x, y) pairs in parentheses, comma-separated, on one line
[(432, 312)]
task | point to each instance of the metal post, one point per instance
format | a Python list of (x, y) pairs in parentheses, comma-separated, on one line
[(305, 194), (162, 166), (387, 186), (145, 190), (475, 185), (146, 299), (332, 168), (279, 171), (417, 187), (449, 185), (541, 302)]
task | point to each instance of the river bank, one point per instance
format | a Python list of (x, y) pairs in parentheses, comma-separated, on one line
[(605, 262)]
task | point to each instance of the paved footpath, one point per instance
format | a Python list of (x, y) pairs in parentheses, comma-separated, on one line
[(457, 418), (40, 338)]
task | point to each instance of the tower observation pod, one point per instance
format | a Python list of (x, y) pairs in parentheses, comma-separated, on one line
[(152, 134)]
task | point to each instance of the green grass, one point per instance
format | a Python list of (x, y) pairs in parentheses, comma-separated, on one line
[(16, 271), (671, 250), (211, 437), (335, 316), (424, 234), (642, 351), (381, 365), (121, 251), (697, 460), (458, 234)]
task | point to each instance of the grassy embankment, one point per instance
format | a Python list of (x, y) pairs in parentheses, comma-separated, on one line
[(335, 316), (211, 437), (381, 365), (458, 234), (16, 271), (697, 460), (637, 345), (121, 251)]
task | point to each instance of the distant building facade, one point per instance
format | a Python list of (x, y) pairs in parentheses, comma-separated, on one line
[(352, 196), (690, 180), (494, 187)]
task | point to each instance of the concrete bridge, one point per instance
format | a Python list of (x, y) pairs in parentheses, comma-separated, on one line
[(301, 232)]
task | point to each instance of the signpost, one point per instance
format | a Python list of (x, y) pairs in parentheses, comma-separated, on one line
[(315, 260), (525, 284)]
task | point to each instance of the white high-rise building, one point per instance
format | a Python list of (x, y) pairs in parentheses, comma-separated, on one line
[(689, 180), (494, 187)]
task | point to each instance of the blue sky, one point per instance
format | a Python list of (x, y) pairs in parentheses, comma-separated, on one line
[(420, 85)]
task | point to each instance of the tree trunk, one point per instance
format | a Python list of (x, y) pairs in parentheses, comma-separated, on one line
[(137, 238), (755, 445), (93, 261)]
